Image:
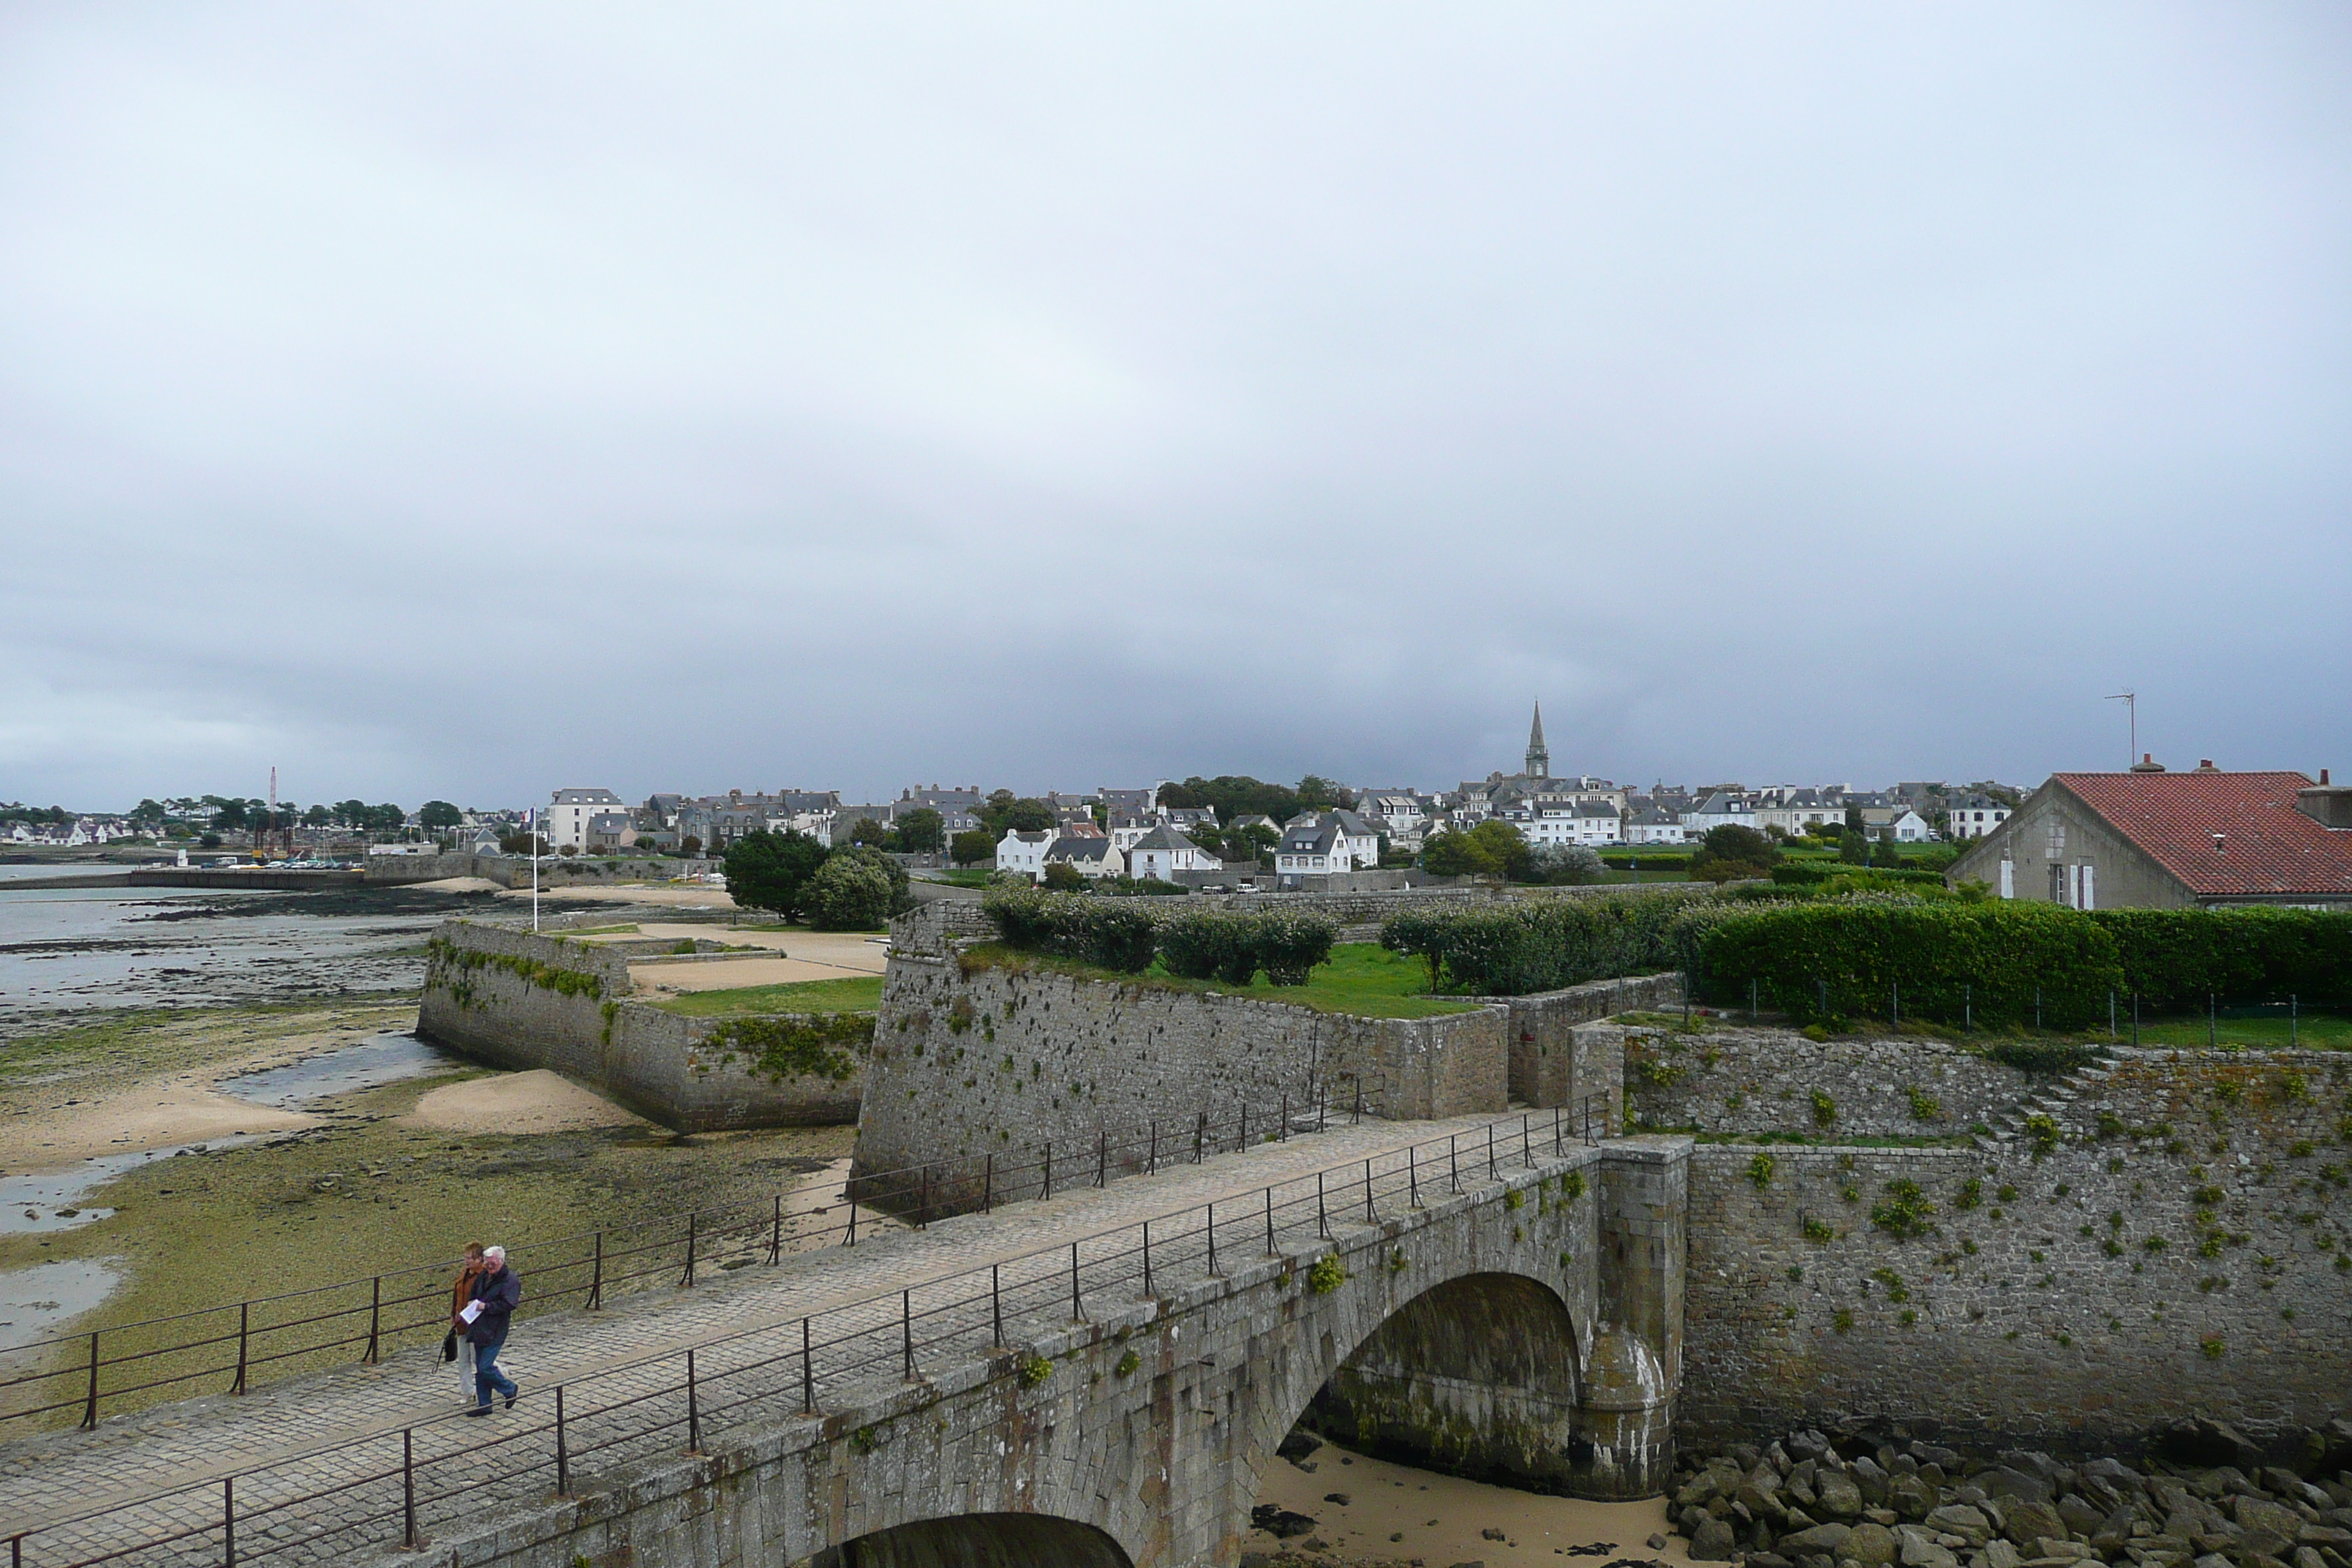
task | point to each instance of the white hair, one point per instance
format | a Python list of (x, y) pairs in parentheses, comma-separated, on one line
[(498, 1252)]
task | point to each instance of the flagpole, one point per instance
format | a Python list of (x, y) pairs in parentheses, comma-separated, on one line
[(530, 820)]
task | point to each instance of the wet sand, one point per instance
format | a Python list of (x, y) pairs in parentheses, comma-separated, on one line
[(535, 1102), (1386, 1501)]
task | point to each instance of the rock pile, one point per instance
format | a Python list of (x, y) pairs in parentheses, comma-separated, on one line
[(1860, 1501)]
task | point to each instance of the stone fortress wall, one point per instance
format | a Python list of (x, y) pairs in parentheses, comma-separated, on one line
[(2168, 1237), (518, 1000)]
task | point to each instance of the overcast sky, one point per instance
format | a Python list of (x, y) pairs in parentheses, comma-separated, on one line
[(466, 400)]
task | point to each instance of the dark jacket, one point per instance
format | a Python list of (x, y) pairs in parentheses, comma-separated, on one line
[(499, 1295)]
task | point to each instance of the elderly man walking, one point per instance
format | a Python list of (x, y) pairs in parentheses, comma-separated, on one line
[(496, 1293)]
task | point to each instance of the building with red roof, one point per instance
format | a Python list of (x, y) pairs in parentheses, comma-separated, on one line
[(2150, 838)]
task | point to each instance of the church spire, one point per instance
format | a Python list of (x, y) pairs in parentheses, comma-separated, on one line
[(1539, 756)]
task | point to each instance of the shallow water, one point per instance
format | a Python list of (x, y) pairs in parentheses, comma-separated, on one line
[(34, 1202), (387, 1059), (35, 1303)]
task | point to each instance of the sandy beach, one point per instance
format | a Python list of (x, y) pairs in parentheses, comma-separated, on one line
[(799, 955), (1440, 1519), (534, 1101)]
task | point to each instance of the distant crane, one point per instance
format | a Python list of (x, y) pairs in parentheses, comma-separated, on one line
[(2130, 699)]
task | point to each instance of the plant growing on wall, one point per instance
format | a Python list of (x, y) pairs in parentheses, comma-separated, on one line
[(1825, 1111), (1905, 1213), (1327, 1274), (820, 1045), (1759, 1169)]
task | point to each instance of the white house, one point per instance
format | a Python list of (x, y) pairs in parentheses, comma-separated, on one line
[(570, 809), (1398, 812), (1721, 809), (1973, 816), (1164, 851), (1089, 853), (1127, 832), (1908, 828), (1321, 842), (1794, 810), (1023, 852), (1653, 825)]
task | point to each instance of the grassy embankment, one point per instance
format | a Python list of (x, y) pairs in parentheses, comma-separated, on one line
[(857, 994), (1362, 978), (365, 1192)]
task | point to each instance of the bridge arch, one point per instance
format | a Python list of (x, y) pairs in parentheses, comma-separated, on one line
[(1477, 1375), (979, 1541)]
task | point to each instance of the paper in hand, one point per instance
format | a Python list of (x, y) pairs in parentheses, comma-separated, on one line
[(473, 1310)]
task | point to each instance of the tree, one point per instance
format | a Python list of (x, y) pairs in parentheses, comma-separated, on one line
[(1731, 852), (872, 830), (921, 830), (318, 816), (1853, 848), (1505, 845), (1063, 877), (1853, 822), (1253, 842), (1492, 848), (902, 896), (1317, 794), (1029, 817), (972, 848), (1886, 852), (772, 871), (848, 893), (228, 815), (385, 819), (690, 847), (439, 813), (147, 810)]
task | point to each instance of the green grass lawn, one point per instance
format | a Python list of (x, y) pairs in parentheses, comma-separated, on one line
[(1363, 978), (961, 875), (861, 994), (2312, 1031)]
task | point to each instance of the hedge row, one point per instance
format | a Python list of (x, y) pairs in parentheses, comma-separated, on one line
[(1126, 935), (1813, 873), (2009, 961), (1546, 945)]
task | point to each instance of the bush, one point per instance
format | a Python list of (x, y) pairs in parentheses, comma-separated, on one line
[(772, 871), (1540, 946), (1218, 945), (1110, 932), (1564, 865), (1819, 961), (848, 893), (1291, 943)]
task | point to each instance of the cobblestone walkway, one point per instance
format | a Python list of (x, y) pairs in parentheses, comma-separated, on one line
[(265, 1458)]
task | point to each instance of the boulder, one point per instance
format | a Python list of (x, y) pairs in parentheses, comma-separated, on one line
[(1279, 1522), (2327, 1449), (1872, 1478), (2081, 1515), (2026, 1523), (2116, 1529), (2032, 1461), (2308, 1557), (1912, 1497), (2334, 1538), (1712, 1541), (1800, 1483), (1929, 1454), (1870, 1546), (2008, 1482), (1759, 1503), (1999, 1553), (2051, 1548), (2271, 1528), (1922, 1550), (2114, 1472), (1297, 1446), (1839, 1497), (1960, 1519), (1821, 1537), (1700, 1490)]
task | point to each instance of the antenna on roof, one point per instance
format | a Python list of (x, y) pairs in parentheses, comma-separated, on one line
[(2130, 699)]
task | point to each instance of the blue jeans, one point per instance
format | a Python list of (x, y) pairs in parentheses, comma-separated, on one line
[(486, 1375)]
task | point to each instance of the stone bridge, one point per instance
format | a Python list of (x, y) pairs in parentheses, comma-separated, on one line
[(1097, 1378)]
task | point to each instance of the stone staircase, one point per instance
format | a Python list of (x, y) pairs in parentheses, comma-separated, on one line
[(2058, 1099)]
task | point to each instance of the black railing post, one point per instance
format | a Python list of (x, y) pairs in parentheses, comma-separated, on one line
[(90, 1405), (1147, 1259), (995, 1308), (1199, 1136), (1492, 1172), (906, 1332), (562, 1448), (776, 1232), (693, 1407), (1322, 1223), (988, 1184), (1151, 1167), (808, 1372), (1102, 1156), (1412, 1172), (1555, 1147), (1369, 1217), (244, 1339), (375, 1320), (1049, 1171), (1284, 1137), (596, 1280), (1269, 1222), (1526, 1141), (690, 1240), (229, 1521), (1077, 1308), (1241, 1140), (1452, 1161), (408, 1479), (853, 1224), (923, 1204), (1213, 1239)]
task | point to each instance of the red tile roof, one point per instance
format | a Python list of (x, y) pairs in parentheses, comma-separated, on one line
[(2268, 846)]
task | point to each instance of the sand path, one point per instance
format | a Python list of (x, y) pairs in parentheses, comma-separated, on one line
[(650, 893)]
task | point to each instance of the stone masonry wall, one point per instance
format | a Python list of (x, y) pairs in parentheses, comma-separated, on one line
[(665, 1067), (1737, 1082), (1008, 1059), (2191, 1261), (1547, 1066)]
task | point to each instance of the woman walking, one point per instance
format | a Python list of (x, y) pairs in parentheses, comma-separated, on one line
[(459, 1345)]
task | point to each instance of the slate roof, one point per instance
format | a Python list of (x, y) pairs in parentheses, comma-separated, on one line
[(1165, 837), (2268, 844), (1077, 848)]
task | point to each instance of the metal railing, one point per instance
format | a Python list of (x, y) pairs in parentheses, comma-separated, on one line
[(331, 1503), (232, 1347)]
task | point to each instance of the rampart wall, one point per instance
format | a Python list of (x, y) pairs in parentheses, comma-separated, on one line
[(2172, 1244), (1747, 1081), (974, 1057), (565, 1006)]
